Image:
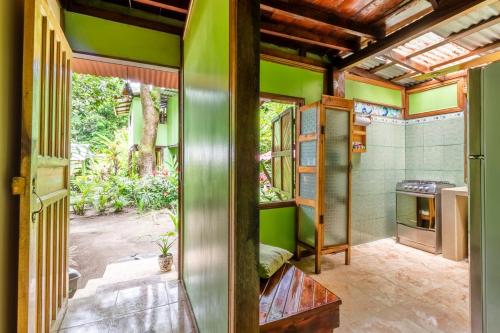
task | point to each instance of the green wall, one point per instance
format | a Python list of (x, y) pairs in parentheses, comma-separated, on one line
[(93, 35), (11, 32), (372, 93), (290, 81), (433, 99), (137, 123), (173, 121), (206, 163), (277, 227)]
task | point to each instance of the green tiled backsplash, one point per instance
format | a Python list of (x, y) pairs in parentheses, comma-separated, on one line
[(430, 148)]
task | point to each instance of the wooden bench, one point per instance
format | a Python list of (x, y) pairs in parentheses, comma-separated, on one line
[(291, 301)]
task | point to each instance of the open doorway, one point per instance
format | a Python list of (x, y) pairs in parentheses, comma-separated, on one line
[(123, 232)]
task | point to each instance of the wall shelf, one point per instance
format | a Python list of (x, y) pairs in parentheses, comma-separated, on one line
[(358, 138)]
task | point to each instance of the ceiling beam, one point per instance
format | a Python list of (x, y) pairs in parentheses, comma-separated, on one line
[(459, 35), (115, 16), (366, 74), (307, 37), (479, 50), (407, 63), (299, 11), (177, 6), (492, 57), (446, 12), (403, 76), (286, 58), (434, 3)]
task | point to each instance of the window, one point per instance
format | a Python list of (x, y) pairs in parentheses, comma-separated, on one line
[(277, 147)]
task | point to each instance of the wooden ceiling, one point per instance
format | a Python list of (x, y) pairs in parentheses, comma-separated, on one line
[(341, 33)]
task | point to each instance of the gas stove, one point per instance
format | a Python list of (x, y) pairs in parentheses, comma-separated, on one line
[(422, 186)]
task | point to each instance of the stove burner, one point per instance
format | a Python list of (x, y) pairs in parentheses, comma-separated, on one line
[(422, 186)]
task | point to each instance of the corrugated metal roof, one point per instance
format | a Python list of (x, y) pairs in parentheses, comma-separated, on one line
[(157, 77), (447, 52)]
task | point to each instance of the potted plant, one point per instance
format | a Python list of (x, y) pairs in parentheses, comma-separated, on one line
[(165, 243)]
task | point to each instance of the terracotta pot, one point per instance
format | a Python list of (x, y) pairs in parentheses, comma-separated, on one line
[(165, 262)]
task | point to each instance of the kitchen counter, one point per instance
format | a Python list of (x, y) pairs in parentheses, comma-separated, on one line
[(454, 214)]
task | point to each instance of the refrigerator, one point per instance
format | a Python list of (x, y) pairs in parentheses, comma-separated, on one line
[(484, 197)]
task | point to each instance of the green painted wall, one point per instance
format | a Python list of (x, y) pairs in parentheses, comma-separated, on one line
[(93, 35), (290, 81), (137, 122), (434, 99), (173, 121), (11, 32), (372, 93), (206, 163), (277, 227)]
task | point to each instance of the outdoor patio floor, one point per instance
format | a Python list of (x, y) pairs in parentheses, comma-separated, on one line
[(391, 288)]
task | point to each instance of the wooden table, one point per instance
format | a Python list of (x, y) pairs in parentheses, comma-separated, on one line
[(454, 214), (291, 301)]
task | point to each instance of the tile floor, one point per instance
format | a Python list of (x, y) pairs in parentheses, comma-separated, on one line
[(393, 288), (143, 305)]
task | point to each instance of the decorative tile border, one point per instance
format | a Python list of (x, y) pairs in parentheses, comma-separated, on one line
[(376, 110), (435, 118), (386, 120)]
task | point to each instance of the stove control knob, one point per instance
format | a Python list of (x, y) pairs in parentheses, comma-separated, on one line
[(426, 189), (420, 188)]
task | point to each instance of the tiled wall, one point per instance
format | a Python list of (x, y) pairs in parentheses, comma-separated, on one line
[(374, 177), (435, 148), (425, 148)]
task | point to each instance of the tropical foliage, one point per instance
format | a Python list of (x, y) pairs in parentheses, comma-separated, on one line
[(268, 112), (93, 105)]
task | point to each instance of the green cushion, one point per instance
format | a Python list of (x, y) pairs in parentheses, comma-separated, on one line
[(271, 258)]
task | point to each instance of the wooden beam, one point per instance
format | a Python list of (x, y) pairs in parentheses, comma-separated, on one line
[(403, 76), (446, 12), (459, 35), (290, 59), (408, 20), (305, 36), (492, 57), (177, 6), (302, 12), (434, 3), (407, 63), (369, 76), (114, 16), (479, 50)]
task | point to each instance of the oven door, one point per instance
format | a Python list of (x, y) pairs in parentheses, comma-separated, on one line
[(416, 210)]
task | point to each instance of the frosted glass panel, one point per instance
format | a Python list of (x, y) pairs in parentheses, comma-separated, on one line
[(308, 122), (306, 224), (308, 153), (308, 185), (336, 177)]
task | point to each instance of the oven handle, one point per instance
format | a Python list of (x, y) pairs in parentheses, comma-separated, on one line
[(420, 195)]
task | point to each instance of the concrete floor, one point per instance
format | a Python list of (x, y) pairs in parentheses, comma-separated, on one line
[(98, 241), (390, 288)]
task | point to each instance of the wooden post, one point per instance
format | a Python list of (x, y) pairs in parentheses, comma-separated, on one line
[(339, 84)]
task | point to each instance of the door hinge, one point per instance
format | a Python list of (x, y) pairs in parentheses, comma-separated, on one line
[(321, 219), (322, 129), (18, 185)]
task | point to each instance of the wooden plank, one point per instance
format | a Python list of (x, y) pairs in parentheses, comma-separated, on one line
[(459, 35), (289, 59), (405, 62), (307, 295), (177, 6), (443, 15), (319, 295), (360, 72), (114, 16), (305, 36), (381, 67), (303, 12), (293, 298), (378, 81), (267, 297), (279, 301)]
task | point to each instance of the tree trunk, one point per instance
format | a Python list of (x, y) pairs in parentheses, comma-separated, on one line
[(147, 160)]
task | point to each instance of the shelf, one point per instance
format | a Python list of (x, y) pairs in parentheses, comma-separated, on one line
[(358, 132)]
